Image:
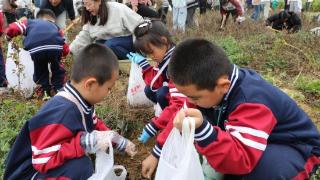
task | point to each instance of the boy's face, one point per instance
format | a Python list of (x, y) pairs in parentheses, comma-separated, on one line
[(203, 97), (96, 93)]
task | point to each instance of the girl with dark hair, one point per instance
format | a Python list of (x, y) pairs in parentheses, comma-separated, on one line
[(109, 23), (154, 40)]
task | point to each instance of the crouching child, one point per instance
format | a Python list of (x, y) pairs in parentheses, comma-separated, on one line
[(245, 127), (55, 143), (45, 43)]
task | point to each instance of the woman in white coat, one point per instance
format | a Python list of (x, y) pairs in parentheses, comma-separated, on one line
[(109, 23)]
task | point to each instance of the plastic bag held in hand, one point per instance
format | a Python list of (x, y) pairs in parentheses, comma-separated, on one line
[(105, 169), (135, 57), (179, 158)]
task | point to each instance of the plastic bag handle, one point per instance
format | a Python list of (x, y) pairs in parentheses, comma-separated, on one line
[(124, 171), (188, 130)]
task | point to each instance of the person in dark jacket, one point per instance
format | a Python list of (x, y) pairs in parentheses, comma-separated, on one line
[(285, 20), (60, 8), (45, 43)]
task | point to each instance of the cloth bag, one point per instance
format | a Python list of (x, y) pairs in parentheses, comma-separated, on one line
[(135, 95), (179, 159), (105, 170), (19, 72)]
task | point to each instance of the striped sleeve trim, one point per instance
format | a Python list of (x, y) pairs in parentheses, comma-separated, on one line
[(151, 129), (205, 134), (156, 151), (144, 64), (88, 142), (122, 144)]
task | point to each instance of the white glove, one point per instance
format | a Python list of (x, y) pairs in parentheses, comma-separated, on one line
[(96, 140), (124, 144)]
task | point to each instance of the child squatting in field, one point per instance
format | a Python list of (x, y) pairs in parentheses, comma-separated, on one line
[(55, 142), (245, 127)]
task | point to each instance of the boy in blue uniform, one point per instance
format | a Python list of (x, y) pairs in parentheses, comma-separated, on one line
[(46, 44), (55, 142), (245, 127)]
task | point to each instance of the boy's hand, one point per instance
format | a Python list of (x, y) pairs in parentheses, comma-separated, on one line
[(135, 57), (131, 149), (148, 166), (144, 136), (190, 112)]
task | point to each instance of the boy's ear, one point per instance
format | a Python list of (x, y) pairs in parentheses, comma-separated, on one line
[(224, 83), (90, 82)]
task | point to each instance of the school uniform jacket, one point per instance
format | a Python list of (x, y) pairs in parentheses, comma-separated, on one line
[(51, 137), (175, 98), (40, 35), (253, 114)]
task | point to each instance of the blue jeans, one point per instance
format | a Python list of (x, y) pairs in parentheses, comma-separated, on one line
[(256, 12), (160, 96), (3, 79), (179, 18), (121, 46)]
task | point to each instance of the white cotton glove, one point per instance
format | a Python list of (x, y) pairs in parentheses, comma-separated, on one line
[(99, 140), (96, 140), (124, 144)]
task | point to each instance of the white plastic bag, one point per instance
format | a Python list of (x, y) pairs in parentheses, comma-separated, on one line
[(20, 75), (105, 170), (136, 96), (179, 159)]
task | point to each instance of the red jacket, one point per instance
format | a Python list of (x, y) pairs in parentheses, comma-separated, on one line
[(236, 4)]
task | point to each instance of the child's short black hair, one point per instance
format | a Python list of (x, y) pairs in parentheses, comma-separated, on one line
[(95, 60), (198, 62), (45, 12), (151, 31)]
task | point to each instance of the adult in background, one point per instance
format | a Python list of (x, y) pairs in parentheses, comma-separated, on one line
[(142, 7), (60, 9), (109, 23), (9, 7), (285, 20)]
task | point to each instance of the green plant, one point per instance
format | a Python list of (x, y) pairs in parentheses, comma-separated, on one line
[(308, 85), (13, 114), (233, 50)]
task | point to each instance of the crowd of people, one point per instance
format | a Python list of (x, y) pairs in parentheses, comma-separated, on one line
[(245, 127)]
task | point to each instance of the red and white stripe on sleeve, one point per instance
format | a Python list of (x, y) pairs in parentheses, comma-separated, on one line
[(52, 145), (238, 149), (17, 28)]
